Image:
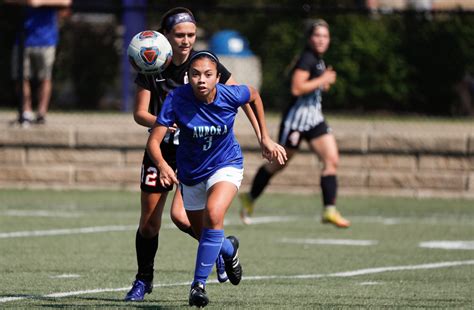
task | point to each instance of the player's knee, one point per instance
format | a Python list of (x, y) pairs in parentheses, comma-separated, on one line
[(331, 163), (215, 218), (150, 228), (180, 220)]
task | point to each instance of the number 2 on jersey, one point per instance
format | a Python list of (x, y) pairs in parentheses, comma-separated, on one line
[(149, 178)]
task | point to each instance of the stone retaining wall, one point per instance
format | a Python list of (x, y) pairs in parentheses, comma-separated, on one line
[(92, 152)]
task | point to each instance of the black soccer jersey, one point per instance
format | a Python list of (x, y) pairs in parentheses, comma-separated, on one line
[(310, 62), (305, 112)]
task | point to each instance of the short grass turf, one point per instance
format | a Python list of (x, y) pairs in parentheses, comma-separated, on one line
[(74, 249)]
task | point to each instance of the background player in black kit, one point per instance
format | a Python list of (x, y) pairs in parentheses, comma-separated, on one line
[(179, 26), (304, 119)]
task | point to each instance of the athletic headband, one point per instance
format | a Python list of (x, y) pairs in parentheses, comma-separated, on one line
[(207, 54), (179, 18)]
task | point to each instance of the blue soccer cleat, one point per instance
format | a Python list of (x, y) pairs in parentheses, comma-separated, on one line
[(220, 270), (138, 290)]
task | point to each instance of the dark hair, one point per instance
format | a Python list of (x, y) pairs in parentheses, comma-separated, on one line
[(204, 54), (315, 24), (175, 16)]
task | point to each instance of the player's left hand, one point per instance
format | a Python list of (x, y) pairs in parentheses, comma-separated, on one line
[(273, 151)]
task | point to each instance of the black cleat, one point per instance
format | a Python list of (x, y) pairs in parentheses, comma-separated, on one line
[(232, 265), (197, 296)]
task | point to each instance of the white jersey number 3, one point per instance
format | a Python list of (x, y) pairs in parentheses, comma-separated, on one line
[(208, 144)]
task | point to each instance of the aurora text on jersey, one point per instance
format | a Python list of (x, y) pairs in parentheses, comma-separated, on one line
[(207, 142), (205, 131)]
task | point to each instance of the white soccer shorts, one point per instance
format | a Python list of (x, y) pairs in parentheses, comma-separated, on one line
[(195, 197)]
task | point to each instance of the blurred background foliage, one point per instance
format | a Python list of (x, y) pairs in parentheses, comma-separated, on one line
[(399, 62)]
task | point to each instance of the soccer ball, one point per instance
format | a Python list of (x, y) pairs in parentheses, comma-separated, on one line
[(149, 52)]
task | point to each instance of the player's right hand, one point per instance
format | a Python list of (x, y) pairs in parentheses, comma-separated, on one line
[(329, 76), (167, 175)]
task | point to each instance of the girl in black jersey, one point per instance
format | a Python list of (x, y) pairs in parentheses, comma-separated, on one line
[(304, 119), (179, 26)]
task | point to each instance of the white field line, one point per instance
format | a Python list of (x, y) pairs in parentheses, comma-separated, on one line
[(230, 222), (40, 213), (57, 232), (433, 220), (65, 276), (101, 229), (257, 278), (330, 241), (370, 283), (448, 245)]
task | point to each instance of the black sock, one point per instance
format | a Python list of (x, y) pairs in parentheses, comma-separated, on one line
[(329, 189), (146, 250), (260, 182)]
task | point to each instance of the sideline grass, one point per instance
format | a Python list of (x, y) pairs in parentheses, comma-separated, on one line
[(31, 268)]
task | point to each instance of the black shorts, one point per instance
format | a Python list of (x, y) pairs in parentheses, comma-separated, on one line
[(292, 139), (150, 176)]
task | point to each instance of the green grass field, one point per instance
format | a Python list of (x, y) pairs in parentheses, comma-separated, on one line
[(76, 250)]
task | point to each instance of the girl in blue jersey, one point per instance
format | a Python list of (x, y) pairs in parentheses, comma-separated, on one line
[(209, 160), (304, 120), (179, 27)]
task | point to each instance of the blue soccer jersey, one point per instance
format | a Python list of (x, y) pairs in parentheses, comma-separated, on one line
[(206, 141)]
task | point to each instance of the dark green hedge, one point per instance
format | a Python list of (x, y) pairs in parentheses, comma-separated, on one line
[(397, 63), (400, 63)]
